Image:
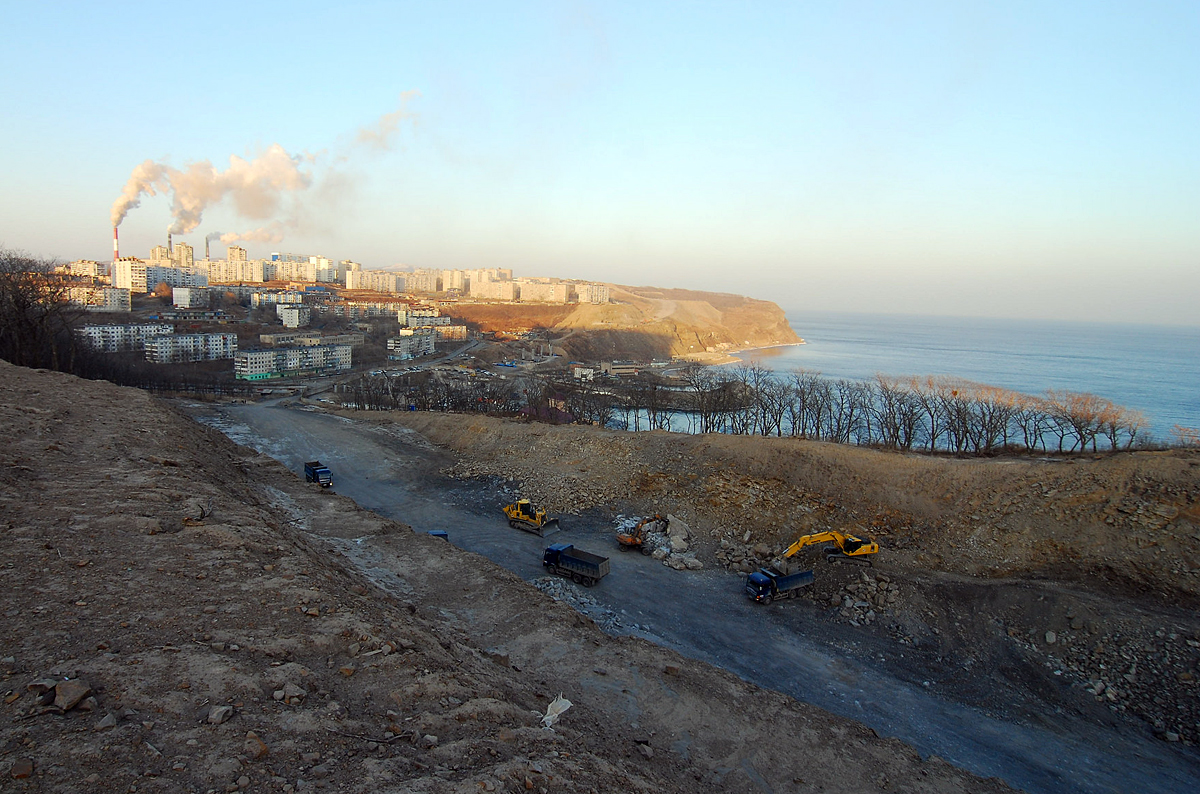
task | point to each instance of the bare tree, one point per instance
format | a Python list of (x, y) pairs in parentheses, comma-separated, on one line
[(36, 321)]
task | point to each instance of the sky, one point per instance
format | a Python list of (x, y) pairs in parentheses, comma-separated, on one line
[(1017, 159)]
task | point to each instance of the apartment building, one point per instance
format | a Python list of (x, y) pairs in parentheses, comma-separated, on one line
[(542, 292), (375, 280), (119, 338), (293, 315), (181, 348), (592, 293), (291, 362), (191, 297), (276, 297), (451, 333), (494, 291), (100, 299), (411, 343)]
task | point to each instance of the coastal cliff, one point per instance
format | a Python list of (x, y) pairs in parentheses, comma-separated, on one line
[(644, 323)]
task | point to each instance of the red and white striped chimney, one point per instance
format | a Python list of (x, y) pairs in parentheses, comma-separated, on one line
[(116, 249)]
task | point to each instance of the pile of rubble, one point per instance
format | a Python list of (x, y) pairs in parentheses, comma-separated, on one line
[(864, 600), (743, 557), (672, 546), (1153, 673)]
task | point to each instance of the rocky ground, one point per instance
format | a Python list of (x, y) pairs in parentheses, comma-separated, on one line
[(178, 617), (1074, 579)]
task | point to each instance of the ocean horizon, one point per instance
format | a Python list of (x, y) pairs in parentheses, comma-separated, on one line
[(1147, 368)]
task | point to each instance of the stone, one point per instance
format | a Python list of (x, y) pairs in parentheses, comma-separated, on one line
[(109, 720), (23, 768), (660, 554), (88, 704), (254, 746), (693, 564), (678, 544), (220, 714), (646, 750), (277, 694), (671, 669), (1051, 638), (293, 694), (67, 694), (429, 741), (347, 670), (42, 686), (243, 781)]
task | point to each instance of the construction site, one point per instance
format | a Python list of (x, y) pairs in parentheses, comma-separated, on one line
[(186, 613)]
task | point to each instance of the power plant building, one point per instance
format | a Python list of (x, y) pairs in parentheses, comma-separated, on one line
[(291, 362), (182, 348)]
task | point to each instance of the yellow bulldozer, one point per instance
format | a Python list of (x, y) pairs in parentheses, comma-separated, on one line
[(523, 515), (845, 548)]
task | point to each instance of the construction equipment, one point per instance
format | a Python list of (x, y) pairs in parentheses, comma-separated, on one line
[(523, 515), (636, 538), (845, 548), (767, 584), (315, 471), (581, 567)]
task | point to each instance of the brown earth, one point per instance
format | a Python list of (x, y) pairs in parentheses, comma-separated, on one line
[(643, 323), (1082, 570), (180, 615)]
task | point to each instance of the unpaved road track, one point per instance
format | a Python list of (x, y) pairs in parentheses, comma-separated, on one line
[(703, 615)]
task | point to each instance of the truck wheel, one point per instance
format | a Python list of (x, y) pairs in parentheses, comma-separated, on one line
[(766, 600), (622, 547), (576, 578), (647, 550)]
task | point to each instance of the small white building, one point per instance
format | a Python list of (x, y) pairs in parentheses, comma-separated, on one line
[(293, 316), (191, 297)]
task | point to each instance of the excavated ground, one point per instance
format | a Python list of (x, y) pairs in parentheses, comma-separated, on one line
[(181, 614), (1069, 583)]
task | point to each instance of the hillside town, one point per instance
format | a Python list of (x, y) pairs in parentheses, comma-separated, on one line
[(291, 289)]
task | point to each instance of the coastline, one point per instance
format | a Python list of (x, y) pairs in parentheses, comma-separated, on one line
[(725, 357)]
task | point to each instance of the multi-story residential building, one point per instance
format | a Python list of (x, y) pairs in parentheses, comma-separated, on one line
[(224, 271), (293, 315), (159, 253), (235, 253), (494, 291), (411, 343), (129, 273), (291, 362), (275, 297), (86, 268), (100, 299), (542, 292), (375, 280), (592, 293), (118, 338), (451, 333), (180, 348), (422, 281), (183, 256), (191, 297), (190, 276)]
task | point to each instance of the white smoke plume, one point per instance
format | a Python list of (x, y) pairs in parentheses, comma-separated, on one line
[(272, 233), (380, 134), (256, 186)]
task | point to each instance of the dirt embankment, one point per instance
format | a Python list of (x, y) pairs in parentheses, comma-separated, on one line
[(179, 616), (643, 323), (1077, 578)]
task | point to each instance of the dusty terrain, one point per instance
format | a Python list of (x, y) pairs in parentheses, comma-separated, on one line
[(1071, 583), (643, 323), (181, 615)]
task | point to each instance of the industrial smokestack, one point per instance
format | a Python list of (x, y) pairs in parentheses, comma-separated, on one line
[(205, 249), (169, 249), (116, 249)]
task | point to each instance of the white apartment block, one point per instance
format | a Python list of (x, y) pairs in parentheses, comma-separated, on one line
[(293, 315), (100, 299), (542, 292), (494, 291), (291, 361), (411, 343), (269, 298), (454, 279), (181, 348), (422, 281), (235, 270), (191, 297), (86, 268), (592, 293), (375, 281), (235, 253), (129, 273), (189, 276), (118, 338)]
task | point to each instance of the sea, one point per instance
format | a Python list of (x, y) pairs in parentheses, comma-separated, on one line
[(1148, 368)]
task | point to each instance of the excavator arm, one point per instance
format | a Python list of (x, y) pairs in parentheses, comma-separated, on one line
[(846, 544)]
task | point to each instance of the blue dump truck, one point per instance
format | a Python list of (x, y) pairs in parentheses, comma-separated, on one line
[(766, 584), (315, 471), (579, 566)]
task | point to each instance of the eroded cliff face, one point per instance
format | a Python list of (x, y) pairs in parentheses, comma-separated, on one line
[(645, 323)]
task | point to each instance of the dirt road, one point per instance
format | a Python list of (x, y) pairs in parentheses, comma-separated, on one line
[(392, 471)]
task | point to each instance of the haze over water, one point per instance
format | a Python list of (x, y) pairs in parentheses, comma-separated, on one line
[(1153, 369)]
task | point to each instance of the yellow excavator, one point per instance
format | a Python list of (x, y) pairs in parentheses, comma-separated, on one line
[(636, 538), (845, 548), (523, 515)]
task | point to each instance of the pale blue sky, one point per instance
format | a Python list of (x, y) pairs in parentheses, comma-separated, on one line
[(1002, 159)]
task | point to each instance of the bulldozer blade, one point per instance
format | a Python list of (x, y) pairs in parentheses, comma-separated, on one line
[(549, 527)]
